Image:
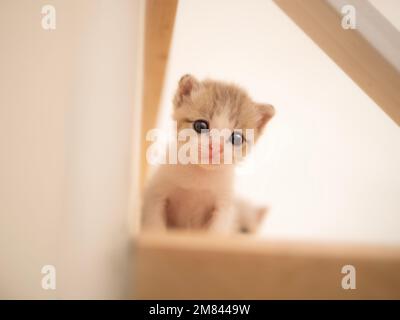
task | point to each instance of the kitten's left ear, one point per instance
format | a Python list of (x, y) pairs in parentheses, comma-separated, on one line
[(187, 84), (265, 112)]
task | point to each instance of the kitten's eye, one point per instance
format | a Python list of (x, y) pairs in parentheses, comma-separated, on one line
[(200, 125), (237, 138)]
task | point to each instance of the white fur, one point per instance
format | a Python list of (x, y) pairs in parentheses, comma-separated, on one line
[(190, 192)]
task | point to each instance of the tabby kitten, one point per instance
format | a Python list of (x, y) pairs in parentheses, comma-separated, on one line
[(199, 194)]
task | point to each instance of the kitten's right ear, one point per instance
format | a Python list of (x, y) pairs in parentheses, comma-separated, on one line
[(266, 112), (187, 84)]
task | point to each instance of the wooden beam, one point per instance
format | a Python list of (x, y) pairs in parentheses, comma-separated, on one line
[(194, 266), (159, 23), (357, 57)]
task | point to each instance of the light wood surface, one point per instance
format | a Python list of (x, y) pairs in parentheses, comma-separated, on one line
[(357, 57), (159, 23), (196, 266)]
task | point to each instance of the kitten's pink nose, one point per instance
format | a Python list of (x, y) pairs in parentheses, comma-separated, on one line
[(212, 147)]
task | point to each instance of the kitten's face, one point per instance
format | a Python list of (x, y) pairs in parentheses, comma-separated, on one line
[(220, 114)]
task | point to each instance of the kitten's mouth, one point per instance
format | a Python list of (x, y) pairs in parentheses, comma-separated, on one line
[(213, 161)]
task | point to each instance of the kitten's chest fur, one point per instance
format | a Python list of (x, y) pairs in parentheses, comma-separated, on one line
[(194, 194), (190, 208)]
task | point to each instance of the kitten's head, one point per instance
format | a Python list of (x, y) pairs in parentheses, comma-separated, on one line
[(219, 114)]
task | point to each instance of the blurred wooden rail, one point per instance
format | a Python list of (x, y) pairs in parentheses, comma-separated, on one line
[(159, 24), (355, 55), (184, 266)]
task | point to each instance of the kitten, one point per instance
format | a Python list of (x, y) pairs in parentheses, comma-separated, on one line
[(199, 195)]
